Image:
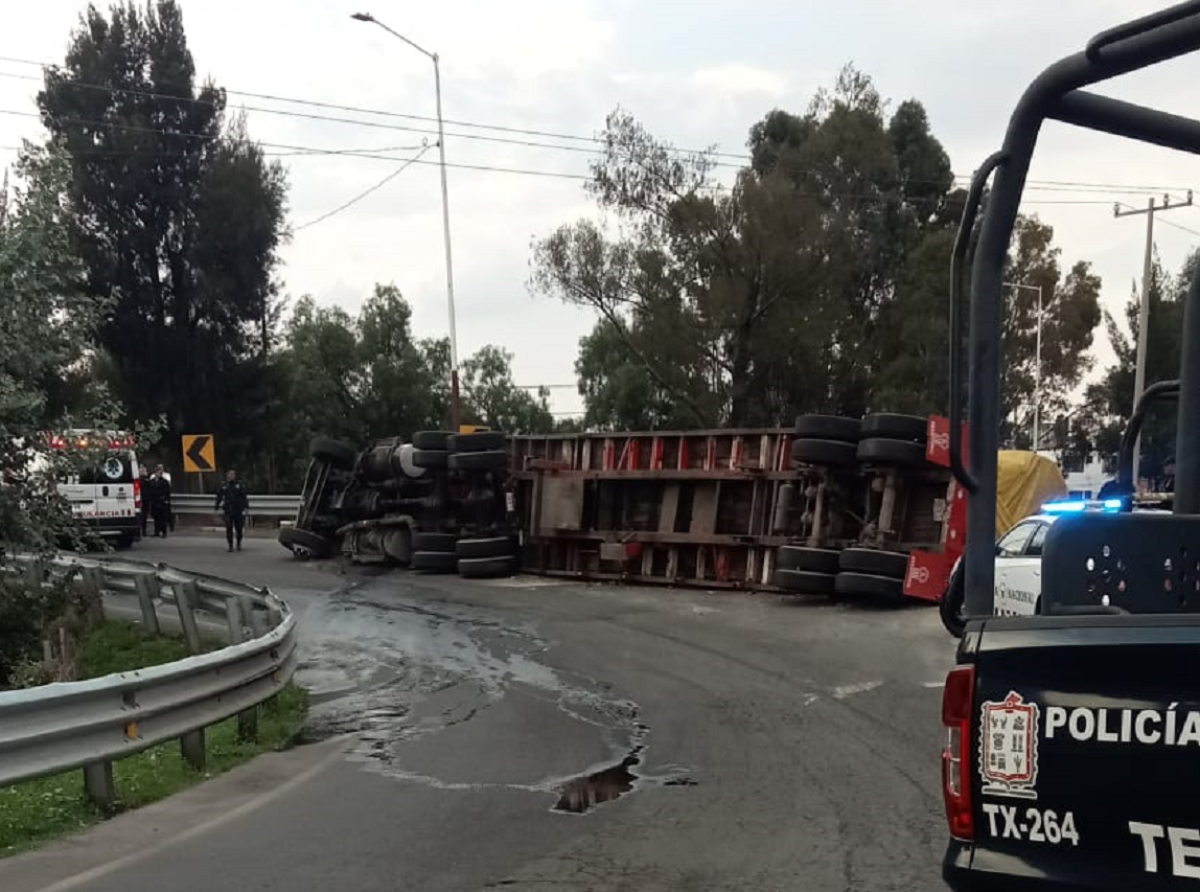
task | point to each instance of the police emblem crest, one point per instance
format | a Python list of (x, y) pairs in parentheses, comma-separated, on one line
[(1009, 740)]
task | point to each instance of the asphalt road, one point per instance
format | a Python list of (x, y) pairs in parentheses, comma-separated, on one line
[(742, 742)]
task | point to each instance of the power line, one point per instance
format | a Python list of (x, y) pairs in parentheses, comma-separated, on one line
[(298, 152), (357, 198), (310, 149), (291, 149), (1048, 185), (1177, 226)]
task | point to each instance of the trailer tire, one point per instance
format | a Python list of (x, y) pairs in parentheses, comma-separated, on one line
[(478, 461), (805, 582), (828, 427), (434, 561), (823, 452), (486, 567), (492, 547), (870, 585), (439, 542), (310, 544), (430, 458), (337, 452), (886, 451), (431, 439), (890, 426), (950, 607), (893, 564), (481, 441), (814, 560)]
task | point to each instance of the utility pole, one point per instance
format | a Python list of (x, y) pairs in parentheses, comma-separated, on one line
[(1139, 376)]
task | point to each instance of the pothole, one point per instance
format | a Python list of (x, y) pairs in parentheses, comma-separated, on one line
[(585, 793)]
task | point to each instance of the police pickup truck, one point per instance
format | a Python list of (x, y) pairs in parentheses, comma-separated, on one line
[(1071, 755)]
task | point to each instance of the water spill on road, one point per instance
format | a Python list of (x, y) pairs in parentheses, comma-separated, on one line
[(397, 664)]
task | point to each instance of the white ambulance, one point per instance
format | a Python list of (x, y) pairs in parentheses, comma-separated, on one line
[(105, 491)]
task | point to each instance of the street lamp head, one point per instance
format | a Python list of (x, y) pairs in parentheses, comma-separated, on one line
[(362, 16)]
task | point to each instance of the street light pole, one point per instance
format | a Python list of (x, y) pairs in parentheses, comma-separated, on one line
[(455, 409), (1037, 377)]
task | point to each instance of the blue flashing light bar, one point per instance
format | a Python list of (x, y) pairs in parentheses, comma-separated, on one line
[(1064, 507), (1108, 506)]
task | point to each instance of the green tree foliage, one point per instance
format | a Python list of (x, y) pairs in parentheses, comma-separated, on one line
[(399, 386), (1070, 314), (816, 282), (177, 216), (48, 324), (915, 331), (491, 397), (617, 392), (1108, 403), (365, 377)]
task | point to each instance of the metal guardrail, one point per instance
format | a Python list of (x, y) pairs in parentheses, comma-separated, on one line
[(89, 724), (270, 505), (261, 505)]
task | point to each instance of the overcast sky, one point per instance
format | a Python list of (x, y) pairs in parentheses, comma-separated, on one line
[(696, 72)]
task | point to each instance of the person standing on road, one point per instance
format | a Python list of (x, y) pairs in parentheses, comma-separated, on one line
[(232, 499), (160, 501), (144, 482)]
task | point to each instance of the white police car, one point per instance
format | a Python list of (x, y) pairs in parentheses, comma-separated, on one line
[(1018, 574)]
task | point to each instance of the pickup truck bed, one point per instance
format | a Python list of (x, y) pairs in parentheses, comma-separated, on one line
[(1081, 754)]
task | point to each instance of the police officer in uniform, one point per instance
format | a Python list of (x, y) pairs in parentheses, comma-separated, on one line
[(159, 495), (146, 491), (233, 501)]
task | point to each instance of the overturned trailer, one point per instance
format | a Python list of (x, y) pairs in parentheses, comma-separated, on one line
[(829, 506)]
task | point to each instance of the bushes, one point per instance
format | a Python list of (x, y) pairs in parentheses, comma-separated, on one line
[(40, 630)]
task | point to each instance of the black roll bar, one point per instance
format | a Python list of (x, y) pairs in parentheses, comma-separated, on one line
[(958, 260), (1055, 94), (1187, 426), (1160, 390)]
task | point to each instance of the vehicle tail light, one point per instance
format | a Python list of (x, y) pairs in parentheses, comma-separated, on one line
[(137, 493), (957, 699)]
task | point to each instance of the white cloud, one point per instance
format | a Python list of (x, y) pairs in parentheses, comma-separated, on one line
[(735, 78)]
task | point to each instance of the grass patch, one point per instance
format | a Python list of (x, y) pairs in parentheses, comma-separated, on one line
[(36, 810), (121, 647)]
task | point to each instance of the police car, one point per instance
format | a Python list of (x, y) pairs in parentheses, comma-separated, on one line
[(1018, 575)]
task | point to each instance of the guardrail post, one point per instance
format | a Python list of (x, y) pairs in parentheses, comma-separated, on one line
[(247, 718), (93, 581), (146, 586), (98, 784), (187, 595), (258, 619), (233, 619), (34, 574), (191, 745)]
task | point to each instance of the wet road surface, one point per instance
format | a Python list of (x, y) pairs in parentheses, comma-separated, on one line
[(526, 734)]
